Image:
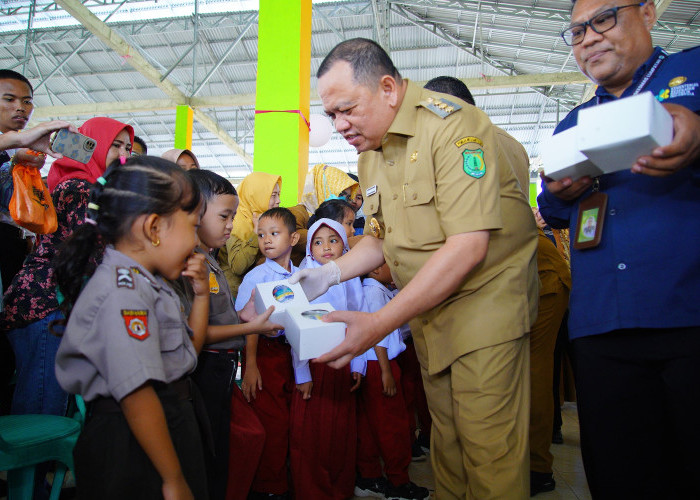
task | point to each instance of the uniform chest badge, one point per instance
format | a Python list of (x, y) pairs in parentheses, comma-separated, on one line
[(374, 227), (213, 283), (474, 165), (124, 278), (414, 156), (675, 82), (136, 322)]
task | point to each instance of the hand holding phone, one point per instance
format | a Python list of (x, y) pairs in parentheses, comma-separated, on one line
[(76, 146)]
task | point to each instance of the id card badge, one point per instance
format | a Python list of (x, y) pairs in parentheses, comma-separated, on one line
[(591, 216)]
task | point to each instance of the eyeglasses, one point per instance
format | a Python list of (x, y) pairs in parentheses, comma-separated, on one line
[(602, 22)]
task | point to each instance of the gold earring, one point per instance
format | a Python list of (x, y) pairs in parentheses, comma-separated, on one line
[(155, 243)]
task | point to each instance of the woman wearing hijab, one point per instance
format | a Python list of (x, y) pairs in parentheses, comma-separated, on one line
[(31, 302), (323, 182), (258, 192), (184, 158)]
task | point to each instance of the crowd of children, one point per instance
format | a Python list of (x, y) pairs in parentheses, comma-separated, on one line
[(155, 335)]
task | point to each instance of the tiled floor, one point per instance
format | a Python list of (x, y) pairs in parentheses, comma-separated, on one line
[(568, 467)]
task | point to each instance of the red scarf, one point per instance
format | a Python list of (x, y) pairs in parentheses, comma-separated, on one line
[(104, 131)]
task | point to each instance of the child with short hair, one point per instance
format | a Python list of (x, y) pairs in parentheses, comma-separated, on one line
[(218, 361), (267, 369), (323, 438), (127, 349), (383, 422)]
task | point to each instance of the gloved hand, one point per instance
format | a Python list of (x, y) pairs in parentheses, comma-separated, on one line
[(316, 281)]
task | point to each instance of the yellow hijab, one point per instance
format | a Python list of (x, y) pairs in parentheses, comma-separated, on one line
[(254, 193), (324, 182)]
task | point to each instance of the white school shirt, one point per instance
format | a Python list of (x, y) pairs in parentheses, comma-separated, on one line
[(377, 296), (264, 273), (347, 296)]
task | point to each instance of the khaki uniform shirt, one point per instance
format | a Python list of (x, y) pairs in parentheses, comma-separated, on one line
[(551, 266), (125, 329), (221, 309), (238, 257), (427, 183), (301, 215), (517, 157)]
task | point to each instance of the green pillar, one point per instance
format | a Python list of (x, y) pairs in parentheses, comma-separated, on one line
[(283, 84)]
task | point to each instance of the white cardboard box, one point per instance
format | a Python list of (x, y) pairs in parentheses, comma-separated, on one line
[(615, 134), (307, 334), (562, 158), (280, 294)]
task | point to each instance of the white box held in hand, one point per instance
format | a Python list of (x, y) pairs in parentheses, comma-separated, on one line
[(561, 157), (280, 294), (309, 336), (613, 135)]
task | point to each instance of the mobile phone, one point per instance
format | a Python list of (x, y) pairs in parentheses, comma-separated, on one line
[(78, 147)]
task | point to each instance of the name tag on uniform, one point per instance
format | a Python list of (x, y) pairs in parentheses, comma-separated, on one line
[(371, 190)]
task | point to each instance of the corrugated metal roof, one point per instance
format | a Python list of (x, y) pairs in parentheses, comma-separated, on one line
[(428, 38)]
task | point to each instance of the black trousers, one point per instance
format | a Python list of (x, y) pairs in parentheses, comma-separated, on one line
[(214, 377), (638, 396), (111, 465)]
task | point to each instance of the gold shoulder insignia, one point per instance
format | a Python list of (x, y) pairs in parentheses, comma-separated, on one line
[(440, 106)]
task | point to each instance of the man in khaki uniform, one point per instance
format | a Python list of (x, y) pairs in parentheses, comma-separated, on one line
[(514, 152), (460, 241)]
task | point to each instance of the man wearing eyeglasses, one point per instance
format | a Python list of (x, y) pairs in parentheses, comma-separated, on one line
[(634, 308)]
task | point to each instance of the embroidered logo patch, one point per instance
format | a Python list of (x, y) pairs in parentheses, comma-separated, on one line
[(213, 283), (136, 322), (124, 278), (474, 165), (467, 140), (680, 89)]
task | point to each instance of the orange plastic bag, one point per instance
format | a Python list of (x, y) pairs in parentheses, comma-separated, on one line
[(31, 206)]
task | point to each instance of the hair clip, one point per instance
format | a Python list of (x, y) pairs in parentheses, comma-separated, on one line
[(102, 180), (88, 220), (93, 206)]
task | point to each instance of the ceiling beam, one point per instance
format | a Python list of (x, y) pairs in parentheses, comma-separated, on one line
[(115, 42), (240, 100)]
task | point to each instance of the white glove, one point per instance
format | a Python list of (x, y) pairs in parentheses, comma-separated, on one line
[(316, 281)]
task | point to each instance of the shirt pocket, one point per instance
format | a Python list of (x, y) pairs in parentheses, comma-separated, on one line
[(421, 221), (371, 203), (173, 336)]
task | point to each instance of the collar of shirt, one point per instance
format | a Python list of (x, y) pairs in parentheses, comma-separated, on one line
[(211, 261), (405, 120), (275, 267), (638, 75), (115, 258), (375, 283)]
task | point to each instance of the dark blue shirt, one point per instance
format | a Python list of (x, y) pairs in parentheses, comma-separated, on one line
[(646, 271)]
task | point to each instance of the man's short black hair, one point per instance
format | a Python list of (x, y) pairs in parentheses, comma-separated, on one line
[(452, 86), (211, 184), (8, 74), (283, 214), (142, 143), (368, 60)]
